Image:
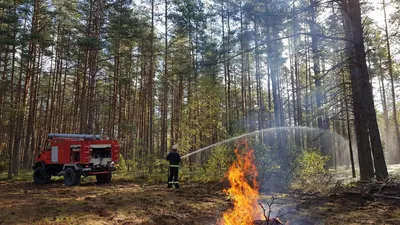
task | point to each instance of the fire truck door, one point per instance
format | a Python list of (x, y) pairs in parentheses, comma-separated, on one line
[(54, 154)]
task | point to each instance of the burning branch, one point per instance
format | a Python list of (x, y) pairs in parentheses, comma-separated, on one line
[(268, 219), (242, 176)]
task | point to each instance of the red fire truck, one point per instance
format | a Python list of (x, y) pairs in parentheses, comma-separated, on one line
[(73, 155)]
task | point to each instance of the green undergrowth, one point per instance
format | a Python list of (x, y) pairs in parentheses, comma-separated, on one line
[(23, 175), (311, 174), (155, 170)]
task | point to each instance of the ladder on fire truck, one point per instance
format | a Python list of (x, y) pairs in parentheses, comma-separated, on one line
[(75, 136)]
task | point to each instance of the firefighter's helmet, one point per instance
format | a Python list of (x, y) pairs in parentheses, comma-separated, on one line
[(175, 147)]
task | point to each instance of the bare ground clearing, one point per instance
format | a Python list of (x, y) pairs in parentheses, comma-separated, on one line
[(123, 202)]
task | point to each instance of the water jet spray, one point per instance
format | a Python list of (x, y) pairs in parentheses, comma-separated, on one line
[(275, 129)]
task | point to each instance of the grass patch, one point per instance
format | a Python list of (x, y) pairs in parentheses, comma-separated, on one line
[(22, 176)]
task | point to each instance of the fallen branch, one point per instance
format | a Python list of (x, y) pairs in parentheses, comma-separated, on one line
[(385, 196), (268, 220), (371, 196)]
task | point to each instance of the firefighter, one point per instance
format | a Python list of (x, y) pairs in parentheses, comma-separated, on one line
[(174, 160)]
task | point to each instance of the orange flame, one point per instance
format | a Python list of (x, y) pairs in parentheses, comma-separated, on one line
[(245, 196)]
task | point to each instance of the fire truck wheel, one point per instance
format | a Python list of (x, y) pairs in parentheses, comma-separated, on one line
[(78, 177), (70, 177), (104, 178), (48, 178), (40, 175), (108, 177)]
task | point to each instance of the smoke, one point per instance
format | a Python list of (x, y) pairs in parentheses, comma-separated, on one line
[(278, 163), (390, 145), (288, 210)]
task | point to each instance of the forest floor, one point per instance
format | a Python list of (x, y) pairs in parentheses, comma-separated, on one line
[(127, 202)]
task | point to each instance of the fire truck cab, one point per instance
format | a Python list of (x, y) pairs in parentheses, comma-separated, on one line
[(73, 155)]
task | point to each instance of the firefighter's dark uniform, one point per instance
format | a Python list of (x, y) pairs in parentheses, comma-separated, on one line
[(174, 160)]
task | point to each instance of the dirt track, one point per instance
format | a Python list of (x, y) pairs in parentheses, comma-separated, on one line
[(123, 202)]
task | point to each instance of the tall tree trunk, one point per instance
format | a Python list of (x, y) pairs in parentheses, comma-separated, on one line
[(228, 70), (249, 85), (364, 111), (224, 49), (316, 62), (353, 169), (116, 88), (363, 146), (164, 109), (151, 98), (243, 72), (278, 113), (258, 80), (93, 63), (30, 86), (390, 66), (384, 103), (11, 127)]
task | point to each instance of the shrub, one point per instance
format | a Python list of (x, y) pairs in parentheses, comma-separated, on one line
[(311, 173), (121, 164), (271, 176), (214, 169)]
